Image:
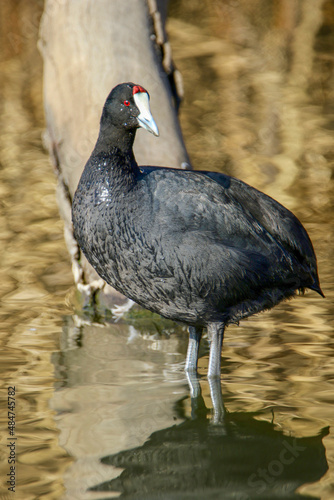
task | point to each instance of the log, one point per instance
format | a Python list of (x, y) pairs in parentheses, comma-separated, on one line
[(88, 47)]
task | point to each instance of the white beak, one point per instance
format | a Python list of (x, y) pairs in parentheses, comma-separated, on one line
[(145, 118)]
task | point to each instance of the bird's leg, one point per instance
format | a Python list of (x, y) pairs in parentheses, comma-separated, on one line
[(217, 400), (195, 334), (194, 385), (216, 334)]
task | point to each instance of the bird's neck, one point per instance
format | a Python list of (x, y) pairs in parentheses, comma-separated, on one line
[(111, 137), (113, 159)]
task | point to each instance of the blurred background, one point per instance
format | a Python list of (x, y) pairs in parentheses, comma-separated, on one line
[(258, 104)]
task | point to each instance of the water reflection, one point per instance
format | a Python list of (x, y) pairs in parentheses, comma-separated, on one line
[(123, 401), (242, 458), (116, 386)]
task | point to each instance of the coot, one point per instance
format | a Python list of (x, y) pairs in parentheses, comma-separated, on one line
[(198, 247)]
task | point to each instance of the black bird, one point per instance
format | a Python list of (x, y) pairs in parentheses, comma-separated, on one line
[(198, 247)]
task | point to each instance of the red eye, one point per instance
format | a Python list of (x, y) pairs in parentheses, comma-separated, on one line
[(126, 103)]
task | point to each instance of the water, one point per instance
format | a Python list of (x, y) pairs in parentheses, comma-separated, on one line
[(104, 410)]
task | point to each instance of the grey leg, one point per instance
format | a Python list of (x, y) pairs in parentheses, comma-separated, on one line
[(195, 334), (194, 385), (217, 400), (216, 334)]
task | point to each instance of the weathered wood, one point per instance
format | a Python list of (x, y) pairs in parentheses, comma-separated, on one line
[(88, 47)]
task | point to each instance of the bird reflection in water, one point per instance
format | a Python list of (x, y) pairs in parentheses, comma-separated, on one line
[(232, 455)]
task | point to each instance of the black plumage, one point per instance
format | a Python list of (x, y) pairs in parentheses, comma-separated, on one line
[(198, 247)]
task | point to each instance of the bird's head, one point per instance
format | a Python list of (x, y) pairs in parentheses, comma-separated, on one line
[(128, 106)]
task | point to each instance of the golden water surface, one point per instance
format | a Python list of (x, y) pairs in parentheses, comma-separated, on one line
[(259, 92)]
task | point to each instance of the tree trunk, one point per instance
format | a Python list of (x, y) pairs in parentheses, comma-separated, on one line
[(88, 47)]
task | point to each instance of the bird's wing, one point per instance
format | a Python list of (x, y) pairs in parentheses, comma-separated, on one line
[(186, 202), (206, 234), (274, 217), (282, 224)]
